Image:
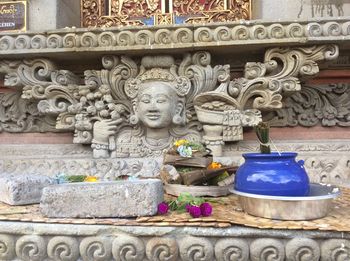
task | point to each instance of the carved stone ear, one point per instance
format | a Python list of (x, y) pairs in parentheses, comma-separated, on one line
[(179, 117)]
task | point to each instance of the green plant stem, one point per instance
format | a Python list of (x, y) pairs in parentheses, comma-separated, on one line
[(262, 132)]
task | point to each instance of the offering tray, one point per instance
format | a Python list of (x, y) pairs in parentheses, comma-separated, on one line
[(315, 205)]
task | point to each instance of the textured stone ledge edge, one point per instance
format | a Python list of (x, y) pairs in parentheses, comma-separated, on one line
[(180, 37), (39, 241)]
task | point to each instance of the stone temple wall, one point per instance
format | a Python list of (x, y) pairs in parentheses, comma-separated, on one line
[(58, 87)]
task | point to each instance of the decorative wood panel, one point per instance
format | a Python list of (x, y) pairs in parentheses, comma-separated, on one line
[(106, 13)]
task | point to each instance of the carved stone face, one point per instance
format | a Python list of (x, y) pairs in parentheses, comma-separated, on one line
[(156, 104)]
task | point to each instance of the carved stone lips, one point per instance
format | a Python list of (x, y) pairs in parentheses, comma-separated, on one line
[(153, 116)]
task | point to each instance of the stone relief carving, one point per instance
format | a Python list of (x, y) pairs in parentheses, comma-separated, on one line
[(136, 108), (18, 115), (177, 247), (238, 103), (327, 105), (120, 40)]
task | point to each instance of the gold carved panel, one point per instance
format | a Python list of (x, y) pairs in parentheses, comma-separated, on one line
[(106, 13)]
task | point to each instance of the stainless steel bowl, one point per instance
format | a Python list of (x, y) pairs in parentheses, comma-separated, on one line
[(316, 205)]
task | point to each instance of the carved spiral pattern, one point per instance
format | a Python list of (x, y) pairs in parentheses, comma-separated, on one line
[(7, 247), (295, 30), (162, 249), (31, 248), (314, 29), (182, 35), (163, 36), (63, 249), (240, 33), (38, 42), (95, 249), (303, 249), (202, 58), (258, 32), (89, 40), (144, 37), (125, 38), (128, 248), (222, 33), (7, 43), (54, 41), (203, 34), (110, 61), (70, 41), (22, 42), (170, 35), (331, 52), (193, 248), (276, 31), (267, 249), (332, 29), (107, 39), (232, 249), (335, 250)]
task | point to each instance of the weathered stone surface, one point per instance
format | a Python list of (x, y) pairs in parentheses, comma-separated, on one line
[(103, 199), (23, 189)]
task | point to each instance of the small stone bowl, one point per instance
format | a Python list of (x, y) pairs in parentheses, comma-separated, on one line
[(315, 205)]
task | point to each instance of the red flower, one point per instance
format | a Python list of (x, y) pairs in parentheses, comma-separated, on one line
[(195, 211), (163, 208), (206, 209)]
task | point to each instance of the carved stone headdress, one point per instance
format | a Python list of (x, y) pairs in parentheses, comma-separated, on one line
[(161, 69)]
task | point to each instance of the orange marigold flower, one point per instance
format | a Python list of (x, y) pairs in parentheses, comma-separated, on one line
[(214, 165)]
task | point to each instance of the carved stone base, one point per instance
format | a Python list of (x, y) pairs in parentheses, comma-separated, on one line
[(35, 241)]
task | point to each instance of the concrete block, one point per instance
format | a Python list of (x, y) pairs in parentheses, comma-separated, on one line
[(103, 199), (23, 189)]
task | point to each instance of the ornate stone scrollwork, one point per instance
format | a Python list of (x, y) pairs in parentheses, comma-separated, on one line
[(63, 248), (128, 248), (232, 249), (265, 249), (238, 103), (18, 115), (31, 248), (194, 248), (161, 248), (96, 249), (322, 104), (138, 107), (299, 249)]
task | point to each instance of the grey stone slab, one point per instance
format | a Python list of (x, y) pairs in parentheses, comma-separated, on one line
[(103, 199), (23, 189)]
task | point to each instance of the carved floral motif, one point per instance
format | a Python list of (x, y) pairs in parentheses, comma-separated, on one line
[(327, 105)]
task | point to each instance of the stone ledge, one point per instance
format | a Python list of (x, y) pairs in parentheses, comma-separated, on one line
[(255, 34), (102, 199), (96, 242)]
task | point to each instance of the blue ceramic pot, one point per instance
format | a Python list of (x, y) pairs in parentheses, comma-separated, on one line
[(272, 174)]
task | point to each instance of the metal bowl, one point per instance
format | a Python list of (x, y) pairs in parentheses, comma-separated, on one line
[(316, 205)]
